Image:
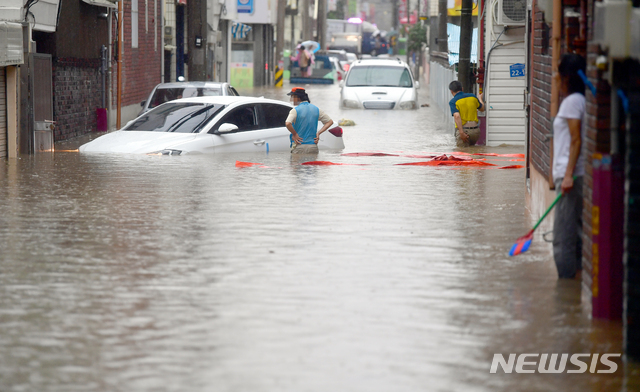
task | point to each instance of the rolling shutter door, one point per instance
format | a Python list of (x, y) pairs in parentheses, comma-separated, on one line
[(3, 114)]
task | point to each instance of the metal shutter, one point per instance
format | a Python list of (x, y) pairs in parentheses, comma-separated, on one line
[(3, 114)]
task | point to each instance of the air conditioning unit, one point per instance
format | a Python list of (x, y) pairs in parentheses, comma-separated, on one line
[(512, 12)]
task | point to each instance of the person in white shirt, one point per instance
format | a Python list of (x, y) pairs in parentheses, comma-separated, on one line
[(568, 163)]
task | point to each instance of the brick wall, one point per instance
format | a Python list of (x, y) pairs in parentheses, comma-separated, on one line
[(541, 95), (77, 85), (142, 66)]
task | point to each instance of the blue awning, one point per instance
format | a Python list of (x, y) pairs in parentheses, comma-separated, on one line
[(453, 31)]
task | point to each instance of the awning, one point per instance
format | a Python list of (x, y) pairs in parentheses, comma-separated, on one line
[(102, 3)]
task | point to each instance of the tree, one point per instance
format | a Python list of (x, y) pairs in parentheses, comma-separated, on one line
[(339, 12), (417, 37)]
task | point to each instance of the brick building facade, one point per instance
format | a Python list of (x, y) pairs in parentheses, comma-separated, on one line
[(76, 49), (143, 47), (611, 131)]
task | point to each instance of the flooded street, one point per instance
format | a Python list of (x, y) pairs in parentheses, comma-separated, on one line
[(186, 273)]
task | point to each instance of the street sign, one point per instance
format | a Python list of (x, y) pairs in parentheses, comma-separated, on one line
[(516, 70)]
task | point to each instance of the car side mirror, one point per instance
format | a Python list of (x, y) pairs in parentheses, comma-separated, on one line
[(417, 85), (227, 128), (142, 103)]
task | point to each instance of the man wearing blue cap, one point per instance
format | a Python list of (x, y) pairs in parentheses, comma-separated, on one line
[(302, 122)]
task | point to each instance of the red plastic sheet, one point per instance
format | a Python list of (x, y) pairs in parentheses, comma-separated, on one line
[(456, 162), (246, 164)]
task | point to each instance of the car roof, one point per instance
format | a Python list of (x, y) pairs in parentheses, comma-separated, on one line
[(190, 84), (384, 62), (230, 100)]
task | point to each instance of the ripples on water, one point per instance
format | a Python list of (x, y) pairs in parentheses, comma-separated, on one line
[(146, 273)]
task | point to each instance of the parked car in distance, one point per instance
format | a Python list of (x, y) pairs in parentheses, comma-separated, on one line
[(380, 84), (351, 57), (340, 73), (341, 55), (165, 92), (208, 125)]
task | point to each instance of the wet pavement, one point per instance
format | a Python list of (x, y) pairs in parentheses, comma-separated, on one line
[(159, 273)]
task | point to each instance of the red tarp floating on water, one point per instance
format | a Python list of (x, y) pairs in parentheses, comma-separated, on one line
[(246, 164), (444, 160)]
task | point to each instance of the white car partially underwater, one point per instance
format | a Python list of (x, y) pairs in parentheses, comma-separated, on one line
[(208, 125), (379, 84)]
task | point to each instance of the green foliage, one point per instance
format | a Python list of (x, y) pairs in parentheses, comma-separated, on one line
[(417, 37), (339, 12)]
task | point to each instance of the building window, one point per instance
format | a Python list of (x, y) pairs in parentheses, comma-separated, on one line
[(134, 23)]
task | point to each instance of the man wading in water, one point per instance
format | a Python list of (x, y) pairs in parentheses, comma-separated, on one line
[(302, 122), (464, 109)]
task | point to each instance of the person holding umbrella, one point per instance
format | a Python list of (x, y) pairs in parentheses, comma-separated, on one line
[(303, 58)]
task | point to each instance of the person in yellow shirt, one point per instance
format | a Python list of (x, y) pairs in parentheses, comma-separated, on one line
[(464, 109)]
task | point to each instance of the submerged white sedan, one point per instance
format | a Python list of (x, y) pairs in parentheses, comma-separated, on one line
[(207, 125)]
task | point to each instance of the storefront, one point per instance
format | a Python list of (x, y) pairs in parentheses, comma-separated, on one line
[(251, 61), (11, 55)]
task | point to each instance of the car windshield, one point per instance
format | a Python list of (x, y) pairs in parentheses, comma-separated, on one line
[(184, 117), (163, 95), (377, 75)]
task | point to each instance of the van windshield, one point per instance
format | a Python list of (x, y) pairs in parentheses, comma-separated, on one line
[(379, 76)]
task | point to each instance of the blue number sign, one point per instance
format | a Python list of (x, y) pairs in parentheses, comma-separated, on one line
[(516, 70), (245, 6)]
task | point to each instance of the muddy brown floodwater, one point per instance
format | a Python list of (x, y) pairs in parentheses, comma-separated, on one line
[(160, 273)]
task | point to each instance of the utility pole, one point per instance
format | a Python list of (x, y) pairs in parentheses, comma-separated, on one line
[(282, 5), (443, 37), (464, 62), (322, 23), (395, 15), (197, 39), (305, 20)]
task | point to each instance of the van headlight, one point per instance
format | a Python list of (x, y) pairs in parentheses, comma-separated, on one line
[(407, 105), (350, 103)]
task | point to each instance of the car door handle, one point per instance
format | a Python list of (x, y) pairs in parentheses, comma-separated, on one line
[(259, 142)]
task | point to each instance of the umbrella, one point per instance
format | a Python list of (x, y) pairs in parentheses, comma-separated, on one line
[(313, 46)]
